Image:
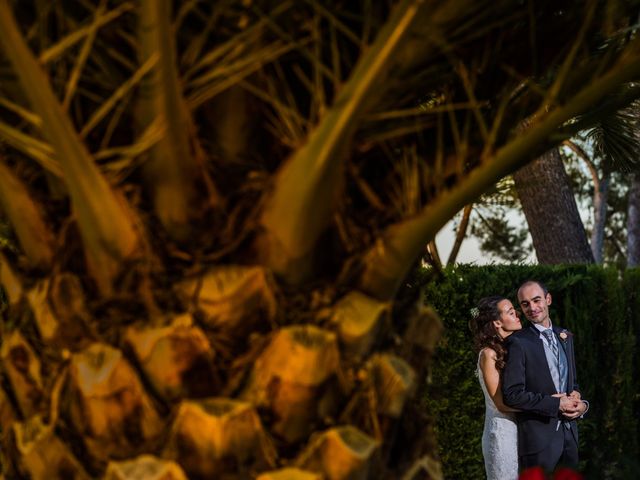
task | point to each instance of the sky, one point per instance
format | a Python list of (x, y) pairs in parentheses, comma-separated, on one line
[(469, 251)]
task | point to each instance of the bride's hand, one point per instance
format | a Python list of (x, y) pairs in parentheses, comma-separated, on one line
[(559, 395)]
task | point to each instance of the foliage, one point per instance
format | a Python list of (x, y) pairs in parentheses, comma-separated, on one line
[(616, 141), (631, 289), (498, 236), (590, 302)]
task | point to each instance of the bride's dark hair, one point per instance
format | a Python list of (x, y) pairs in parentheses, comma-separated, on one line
[(484, 332)]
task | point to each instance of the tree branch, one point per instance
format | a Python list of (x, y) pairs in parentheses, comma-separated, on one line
[(434, 255), (585, 158), (461, 233)]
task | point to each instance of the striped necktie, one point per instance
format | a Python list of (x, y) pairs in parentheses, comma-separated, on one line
[(548, 333)]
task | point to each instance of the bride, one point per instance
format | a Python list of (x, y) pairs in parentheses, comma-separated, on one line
[(494, 320)]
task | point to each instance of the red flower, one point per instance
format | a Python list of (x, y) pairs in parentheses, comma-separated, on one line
[(537, 473), (566, 474), (533, 473)]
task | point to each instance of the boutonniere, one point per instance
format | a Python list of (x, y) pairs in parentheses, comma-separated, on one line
[(564, 334)]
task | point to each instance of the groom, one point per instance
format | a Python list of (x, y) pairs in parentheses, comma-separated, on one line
[(539, 379)]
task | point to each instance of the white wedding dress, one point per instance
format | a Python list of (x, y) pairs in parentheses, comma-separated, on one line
[(499, 439)]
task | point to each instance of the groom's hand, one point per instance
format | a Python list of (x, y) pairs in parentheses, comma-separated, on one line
[(580, 410), (568, 405), (576, 395)]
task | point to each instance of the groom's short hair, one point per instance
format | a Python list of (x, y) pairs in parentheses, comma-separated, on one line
[(544, 288)]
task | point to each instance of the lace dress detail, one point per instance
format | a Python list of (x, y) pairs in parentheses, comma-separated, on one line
[(499, 439)]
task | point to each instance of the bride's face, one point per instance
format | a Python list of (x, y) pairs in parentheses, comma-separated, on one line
[(509, 320)]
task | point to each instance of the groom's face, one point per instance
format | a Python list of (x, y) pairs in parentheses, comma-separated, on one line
[(534, 303)]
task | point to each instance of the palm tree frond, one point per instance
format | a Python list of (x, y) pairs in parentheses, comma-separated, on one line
[(303, 197), (616, 141), (32, 147), (107, 226), (174, 159), (62, 46)]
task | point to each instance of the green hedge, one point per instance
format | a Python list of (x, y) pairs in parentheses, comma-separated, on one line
[(603, 312)]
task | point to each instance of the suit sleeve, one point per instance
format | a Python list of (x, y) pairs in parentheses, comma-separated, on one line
[(513, 385)]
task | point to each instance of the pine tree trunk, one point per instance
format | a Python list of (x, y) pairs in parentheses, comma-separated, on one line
[(633, 223), (551, 211)]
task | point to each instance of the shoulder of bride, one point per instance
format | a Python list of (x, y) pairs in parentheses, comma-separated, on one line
[(488, 352)]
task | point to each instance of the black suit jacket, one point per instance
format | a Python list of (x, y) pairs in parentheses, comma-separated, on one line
[(527, 385)]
